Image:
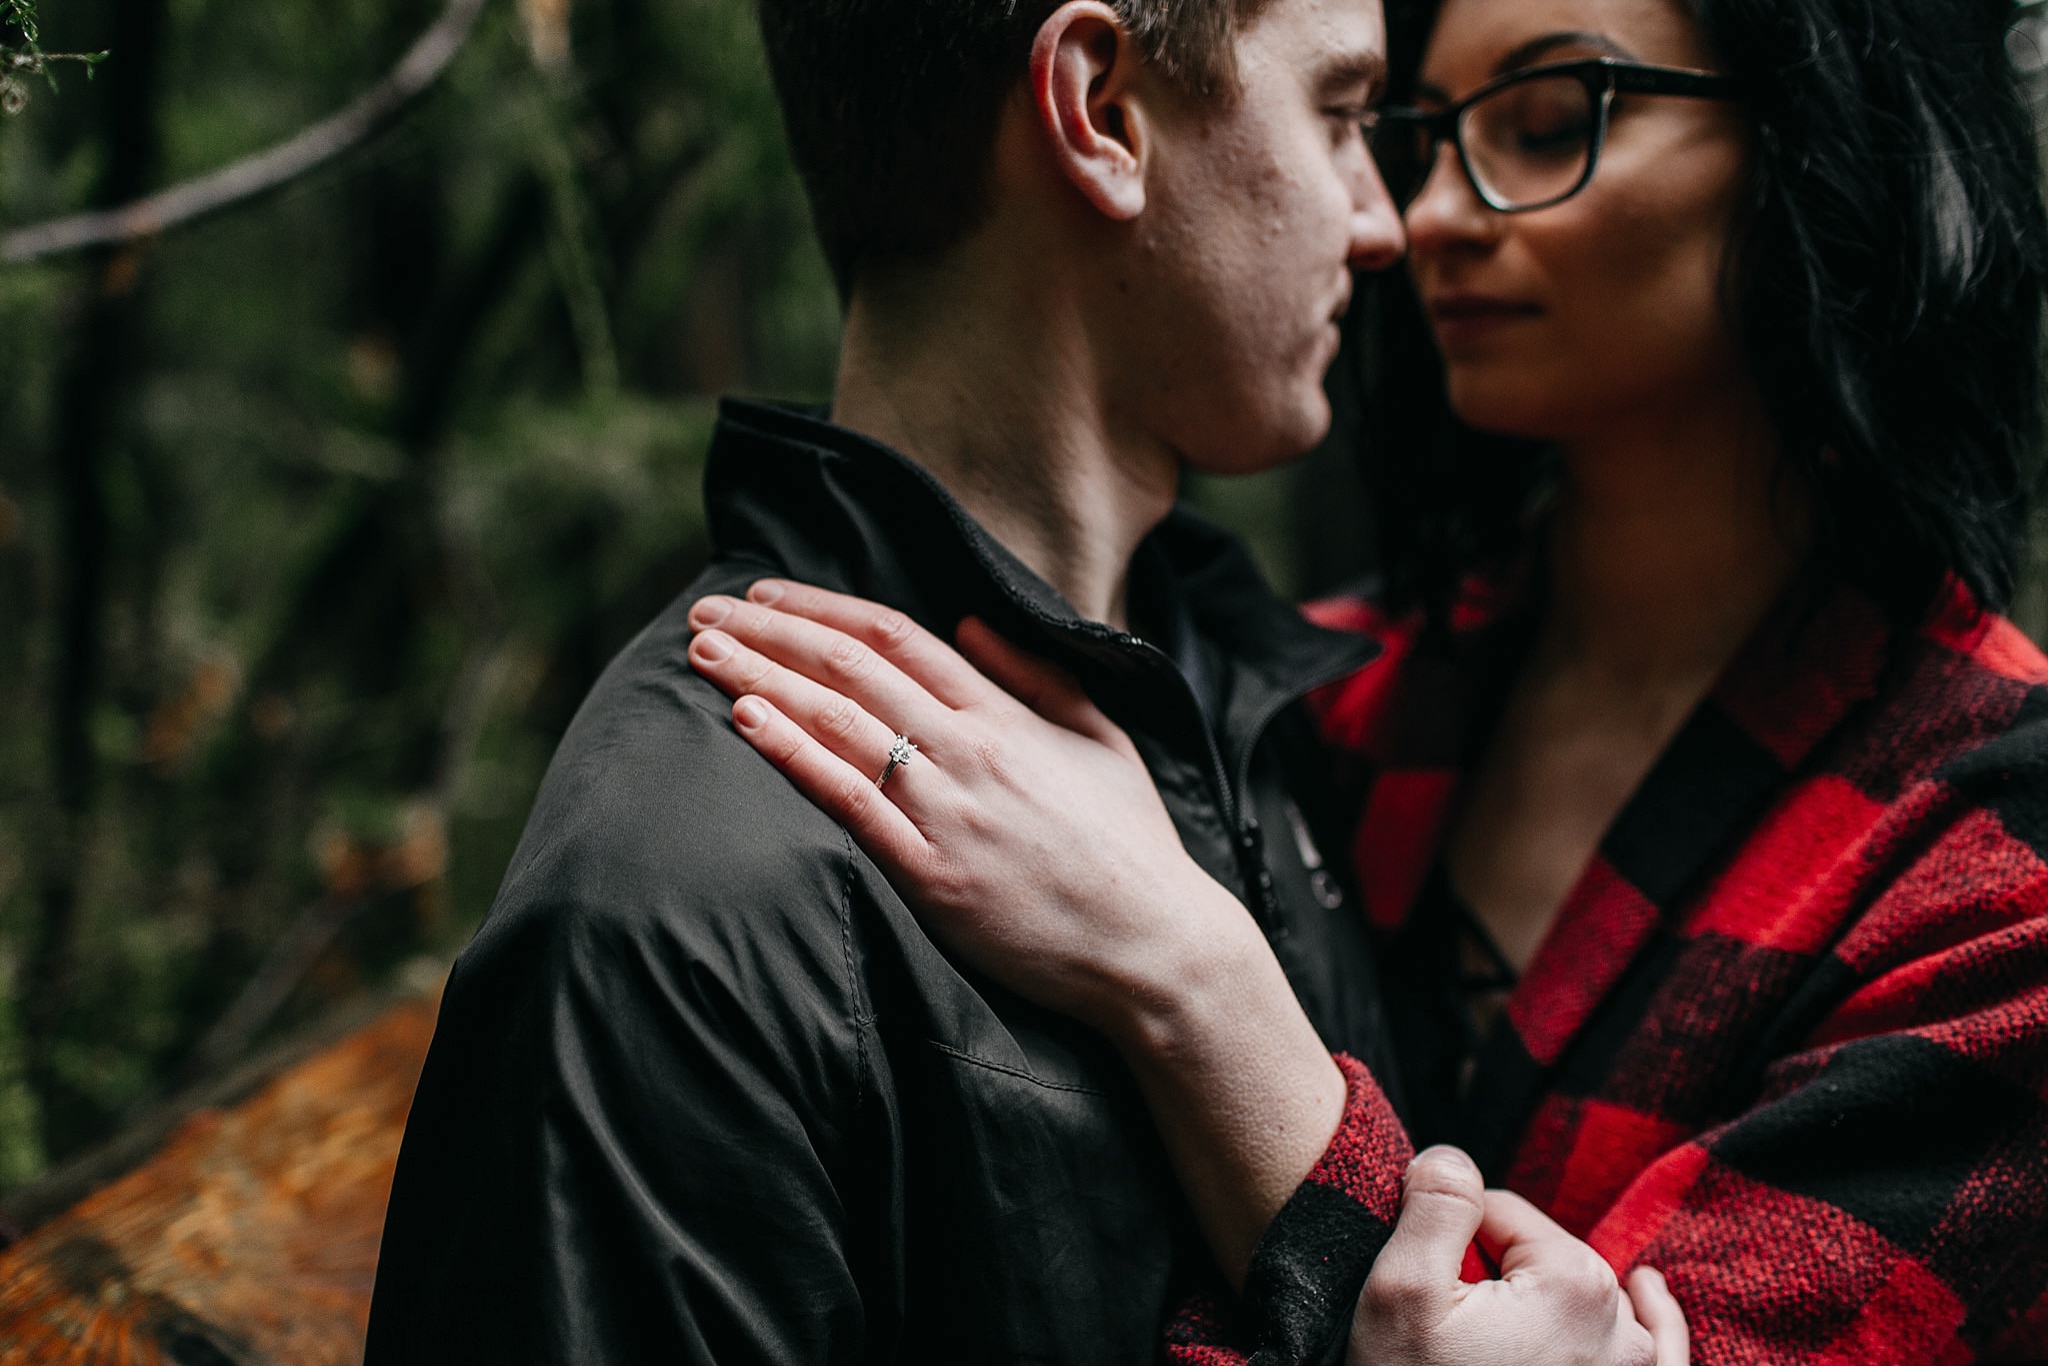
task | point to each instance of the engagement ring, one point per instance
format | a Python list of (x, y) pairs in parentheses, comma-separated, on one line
[(900, 753)]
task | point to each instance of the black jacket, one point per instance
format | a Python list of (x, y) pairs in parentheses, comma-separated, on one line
[(703, 1091)]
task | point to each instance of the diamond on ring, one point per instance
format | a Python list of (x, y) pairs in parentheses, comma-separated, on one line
[(901, 752)]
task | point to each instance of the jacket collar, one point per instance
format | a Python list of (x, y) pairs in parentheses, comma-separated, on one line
[(798, 496)]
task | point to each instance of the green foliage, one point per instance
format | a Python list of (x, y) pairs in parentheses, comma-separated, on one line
[(389, 466), (22, 55)]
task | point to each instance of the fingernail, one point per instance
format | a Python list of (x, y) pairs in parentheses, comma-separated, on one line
[(711, 611), (1445, 1152), (712, 647), (767, 592), (749, 714)]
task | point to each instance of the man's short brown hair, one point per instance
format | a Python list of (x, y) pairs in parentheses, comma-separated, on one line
[(891, 106)]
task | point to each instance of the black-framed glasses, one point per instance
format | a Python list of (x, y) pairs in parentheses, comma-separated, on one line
[(1532, 138)]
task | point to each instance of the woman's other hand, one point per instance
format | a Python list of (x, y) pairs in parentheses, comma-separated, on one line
[(1556, 1302), (1025, 830)]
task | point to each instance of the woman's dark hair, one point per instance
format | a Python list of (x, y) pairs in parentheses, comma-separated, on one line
[(1888, 285)]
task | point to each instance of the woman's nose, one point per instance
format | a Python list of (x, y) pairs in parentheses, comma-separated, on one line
[(1447, 211)]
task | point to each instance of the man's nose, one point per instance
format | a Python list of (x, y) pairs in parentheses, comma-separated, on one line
[(1378, 238)]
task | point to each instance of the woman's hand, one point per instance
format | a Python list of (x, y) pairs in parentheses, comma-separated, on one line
[(1556, 1302), (1027, 835)]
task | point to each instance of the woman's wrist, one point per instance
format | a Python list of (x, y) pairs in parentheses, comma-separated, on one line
[(1244, 1092), (1179, 989)]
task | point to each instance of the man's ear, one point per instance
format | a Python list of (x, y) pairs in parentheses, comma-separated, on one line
[(1084, 73)]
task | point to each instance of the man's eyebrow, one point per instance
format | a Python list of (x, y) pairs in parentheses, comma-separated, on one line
[(1346, 70), (1527, 54)]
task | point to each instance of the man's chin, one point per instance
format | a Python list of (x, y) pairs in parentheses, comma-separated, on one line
[(1255, 448)]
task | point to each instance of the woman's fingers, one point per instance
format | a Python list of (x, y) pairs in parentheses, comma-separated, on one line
[(840, 790), (1574, 1283), (1515, 1233), (1658, 1310), (918, 653), (1045, 688), (1416, 1278), (822, 656), (840, 725)]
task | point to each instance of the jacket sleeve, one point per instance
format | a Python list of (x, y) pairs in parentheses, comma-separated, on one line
[(1881, 1196), (1306, 1273), (632, 1139)]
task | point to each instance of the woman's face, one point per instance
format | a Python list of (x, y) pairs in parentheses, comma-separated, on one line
[(1606, 309)]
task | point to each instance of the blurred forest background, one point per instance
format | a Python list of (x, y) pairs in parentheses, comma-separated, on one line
[(318, 515)]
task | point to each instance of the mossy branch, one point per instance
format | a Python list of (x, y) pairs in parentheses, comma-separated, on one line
[(265, 172)]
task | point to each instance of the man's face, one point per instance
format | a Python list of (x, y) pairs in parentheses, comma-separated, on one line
[(1260, 204)]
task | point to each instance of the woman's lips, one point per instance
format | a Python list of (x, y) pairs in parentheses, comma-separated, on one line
[(1463, 318)]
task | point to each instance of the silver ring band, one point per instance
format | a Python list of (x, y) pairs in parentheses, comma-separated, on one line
[(901, 752)]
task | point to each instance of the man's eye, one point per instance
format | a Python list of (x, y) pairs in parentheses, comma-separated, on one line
[(1347, 121)]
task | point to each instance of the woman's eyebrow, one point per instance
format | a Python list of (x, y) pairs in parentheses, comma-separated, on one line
[(1529, 52)]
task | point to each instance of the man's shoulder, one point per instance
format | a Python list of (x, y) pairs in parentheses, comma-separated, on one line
[(657, 819)]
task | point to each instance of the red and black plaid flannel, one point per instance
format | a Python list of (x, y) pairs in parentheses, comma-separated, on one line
[(1788, 1040)]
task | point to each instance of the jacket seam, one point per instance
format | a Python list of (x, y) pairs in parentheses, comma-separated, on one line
[(1016, 1072), (861, 1017)]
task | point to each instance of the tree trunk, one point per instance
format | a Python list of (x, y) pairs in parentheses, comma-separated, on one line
[(95, 391)]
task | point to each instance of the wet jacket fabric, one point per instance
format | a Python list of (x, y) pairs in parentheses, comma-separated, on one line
[(1788, 1039), (703, 1091)]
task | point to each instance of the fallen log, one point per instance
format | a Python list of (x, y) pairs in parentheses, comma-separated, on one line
[(248, 1239)]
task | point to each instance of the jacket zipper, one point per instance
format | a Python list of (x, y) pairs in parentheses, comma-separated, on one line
[(1247, 833), (1258, 874)]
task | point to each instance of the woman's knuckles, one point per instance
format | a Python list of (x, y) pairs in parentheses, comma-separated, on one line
[(891, 632), (990, 761), (838, 720), (781, 742), (853, 802), (751, 672), (1590, 1283), (848, 663)]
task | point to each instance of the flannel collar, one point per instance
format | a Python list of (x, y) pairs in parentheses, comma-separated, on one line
[(1422, 720)]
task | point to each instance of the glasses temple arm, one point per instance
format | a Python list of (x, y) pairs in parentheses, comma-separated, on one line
[(1628, 80)]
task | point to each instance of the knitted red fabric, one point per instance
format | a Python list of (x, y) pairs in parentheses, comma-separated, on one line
[(1788, 1040)]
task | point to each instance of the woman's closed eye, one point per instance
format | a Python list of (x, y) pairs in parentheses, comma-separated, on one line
[(1565, 138)]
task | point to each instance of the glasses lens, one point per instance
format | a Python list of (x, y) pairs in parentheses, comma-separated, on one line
[(1529, 143)]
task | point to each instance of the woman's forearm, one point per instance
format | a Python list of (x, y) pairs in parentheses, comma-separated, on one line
[(1243, 1090)]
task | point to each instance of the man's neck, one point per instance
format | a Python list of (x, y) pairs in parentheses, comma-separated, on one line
[(994, 391)]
